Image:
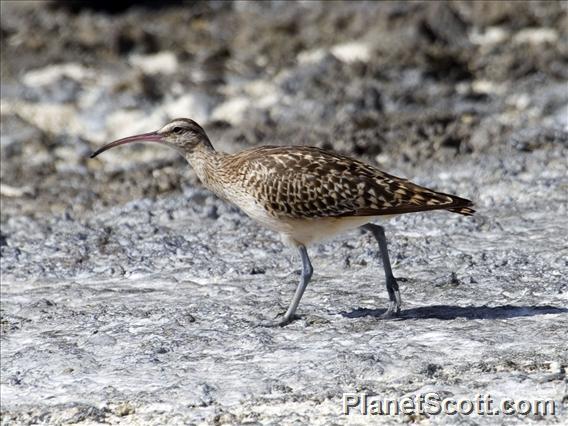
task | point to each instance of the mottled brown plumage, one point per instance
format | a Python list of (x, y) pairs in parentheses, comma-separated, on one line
[(307, 182), (304, 193)]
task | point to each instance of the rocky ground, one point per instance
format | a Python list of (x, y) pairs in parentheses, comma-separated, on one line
[(132, 295)]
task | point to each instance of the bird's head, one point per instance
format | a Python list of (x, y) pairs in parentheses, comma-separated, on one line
[(182, 134)]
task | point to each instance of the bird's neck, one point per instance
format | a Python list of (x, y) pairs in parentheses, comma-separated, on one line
[(206, 163)]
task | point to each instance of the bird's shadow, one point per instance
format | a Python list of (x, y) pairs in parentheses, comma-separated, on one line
[(448, 312)]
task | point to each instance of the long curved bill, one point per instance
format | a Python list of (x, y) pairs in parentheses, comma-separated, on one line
[(145, 137)]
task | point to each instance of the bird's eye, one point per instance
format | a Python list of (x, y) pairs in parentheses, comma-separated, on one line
[(177, 130)]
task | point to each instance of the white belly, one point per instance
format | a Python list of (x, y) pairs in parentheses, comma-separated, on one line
[(296, 232), (310, 231)]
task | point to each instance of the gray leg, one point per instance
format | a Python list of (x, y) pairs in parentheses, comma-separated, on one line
[(307, 271), (392, 286)]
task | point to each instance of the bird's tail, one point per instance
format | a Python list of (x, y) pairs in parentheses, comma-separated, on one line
[(459, 205), (466, 211), (428, 199)]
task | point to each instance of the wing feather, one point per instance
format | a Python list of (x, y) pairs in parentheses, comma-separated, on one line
[(301, 182)]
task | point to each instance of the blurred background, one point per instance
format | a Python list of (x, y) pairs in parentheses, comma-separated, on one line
[(399, 84), (131, 294)]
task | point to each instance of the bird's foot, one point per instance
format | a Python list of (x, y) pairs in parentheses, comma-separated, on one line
[(280, 320), (389, 314), (393, 311), (275, 324)]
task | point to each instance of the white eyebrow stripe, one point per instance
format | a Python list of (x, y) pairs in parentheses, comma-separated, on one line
[(173, 124)]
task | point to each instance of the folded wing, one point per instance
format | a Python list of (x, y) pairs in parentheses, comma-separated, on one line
[(302, 182)]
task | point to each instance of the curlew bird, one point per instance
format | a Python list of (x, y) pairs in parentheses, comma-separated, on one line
[(306, 194)]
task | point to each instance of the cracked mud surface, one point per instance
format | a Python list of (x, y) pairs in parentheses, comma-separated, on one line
[(132, 295)]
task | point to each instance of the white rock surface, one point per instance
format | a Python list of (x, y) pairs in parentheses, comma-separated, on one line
[(195, 105), (352, 51), (157, 63), (536, 36), (52, 73), (233, 110)]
